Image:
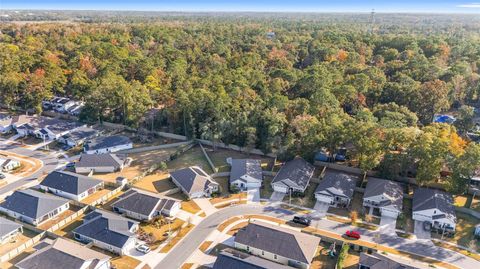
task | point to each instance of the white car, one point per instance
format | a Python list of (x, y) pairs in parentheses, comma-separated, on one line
[(143, 248)]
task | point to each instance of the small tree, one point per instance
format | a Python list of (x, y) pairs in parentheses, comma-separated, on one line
[(342, 256), (162, 166), (354, 216)]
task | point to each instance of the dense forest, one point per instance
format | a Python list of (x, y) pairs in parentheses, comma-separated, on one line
[(289, 85)]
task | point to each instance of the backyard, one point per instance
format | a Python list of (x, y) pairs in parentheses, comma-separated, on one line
[(19, 240), (322, 259), (219, 158), (193, 156), (160, 233), (158, 183)]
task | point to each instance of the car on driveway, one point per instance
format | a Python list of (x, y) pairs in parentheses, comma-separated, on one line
[(143, 248), (302, 220), (352, 234)]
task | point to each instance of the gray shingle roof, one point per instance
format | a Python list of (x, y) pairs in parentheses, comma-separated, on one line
[(240, 260), (106, 227), (297, 172), (377, 261), (62, 254), (284, 242), (32, 203), (99, 160), (242, 167), (81, 133), (192, 179), (7, 226), (142, 203), (337, 184), (61, 126), (392, 190), (69, 182), (102, 142), (425, 199)]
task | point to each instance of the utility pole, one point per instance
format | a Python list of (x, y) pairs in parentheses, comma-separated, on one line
[(372, 21)]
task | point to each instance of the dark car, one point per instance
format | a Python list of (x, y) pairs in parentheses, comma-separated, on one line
[(2, 176), (302, 220), (70, 165)]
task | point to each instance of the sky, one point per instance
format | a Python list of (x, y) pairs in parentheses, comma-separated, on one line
[(425, 6)]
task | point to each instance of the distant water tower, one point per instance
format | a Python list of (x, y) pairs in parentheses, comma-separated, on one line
[(372, 21)]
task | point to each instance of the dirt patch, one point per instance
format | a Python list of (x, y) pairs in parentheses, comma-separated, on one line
[(125, 262), (72, 210), (322, 259), (229, 197), (157, 183), (160, 234), (219, 158), (205, 245), (28, 165), (237, 227), (225, 224), (97, 195), (19, 240), (190, 206), (181, 233)]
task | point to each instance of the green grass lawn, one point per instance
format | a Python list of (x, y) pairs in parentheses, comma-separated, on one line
[(266, 190), (219, 158), (406, 223), (464, 232), (193, 156), (308, 200)]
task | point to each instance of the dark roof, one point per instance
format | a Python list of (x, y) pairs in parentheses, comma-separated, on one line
[(99, 160), (192, 179), (62, 126), (295, 173), (232, 259), (81, 133), (62, 254), (242, 167), (69, 182), (284, 242), (425, 199), (142, 203), (106, 227), (7, 226), (377, 261), (102, 142), (337, 184), (32, 203), (392, 190)]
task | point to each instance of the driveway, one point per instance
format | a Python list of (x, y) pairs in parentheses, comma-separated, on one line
[(253, 195), (419, 232), (205, 205), (387, 226), (277, 196), (320, 210)]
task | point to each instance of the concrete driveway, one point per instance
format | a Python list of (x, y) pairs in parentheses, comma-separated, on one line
[(419, 232), (277, 196), (205, 205), (253, 195), (387, 225), (320, 210)]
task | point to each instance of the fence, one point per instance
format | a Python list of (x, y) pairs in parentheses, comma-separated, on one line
[(220, 174), (67, 220), (208, 158), (106, 196), (468, 211), (14, 252), (150, 148), (235, 147)]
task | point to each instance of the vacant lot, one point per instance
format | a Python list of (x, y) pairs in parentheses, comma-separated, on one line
[(219, 158), (193, 156), (158, 183)]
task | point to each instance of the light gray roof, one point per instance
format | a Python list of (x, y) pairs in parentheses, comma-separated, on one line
[(425, 199), (284, 242), (192, 179), (143, 203), (377, 261), (295, 173), (102, 142), (60, 126), (106, 227), (7, 226), (32, 203), (62, 254), (99, 160), (337, 184), (242, 167), (70, 182), (233, 259), (392, 190), (81, 133)]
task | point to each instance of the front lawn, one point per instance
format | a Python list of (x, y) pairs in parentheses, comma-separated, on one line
[(266, 190), (308, 200), (463, 232), (160, 234)]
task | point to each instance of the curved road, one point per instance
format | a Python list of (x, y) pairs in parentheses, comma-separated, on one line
[(183, 250)]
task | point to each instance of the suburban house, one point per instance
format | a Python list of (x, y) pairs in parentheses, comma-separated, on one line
[(8, 164), (234, 259), (144, 206), (9, 230), (245, 173), (278, 244), (294, 176), (434, 206), (61, 254), (33, 207), (336, 188), (70, 185), (106, 144), (77, 136), (26, 125), (75, 109), (5, 123), (59, 104), (194, 182), (108, 231), (378, 261), (56, 129), (99, 163), (384, 195)]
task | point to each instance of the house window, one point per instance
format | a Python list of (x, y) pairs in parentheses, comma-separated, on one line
[(248, 248), (275, 256), (263, 252)]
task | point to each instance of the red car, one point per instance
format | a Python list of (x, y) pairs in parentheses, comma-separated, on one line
[(352, 234)]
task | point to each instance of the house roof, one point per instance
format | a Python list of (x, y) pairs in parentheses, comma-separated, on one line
[(143, 203), (233, 259), (392, 190), (32, 203), (246, 167), (106, 227), (284, 242), (7, 226), (69, 182), (192, 179), (61, 126), (102, 142), (99, 160), (377, 261), (5, 162), (81, 133), (337, 184), (425, 199), (295, 173), (62, 254)]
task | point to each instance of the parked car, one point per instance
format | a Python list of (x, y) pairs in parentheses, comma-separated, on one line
[(353, 234), (302, 220), (143, 248), (2, 176), (70, 165)]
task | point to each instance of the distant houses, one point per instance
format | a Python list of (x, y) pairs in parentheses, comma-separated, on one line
[(7, 165), (33, 207), (245, 173), (336, 188), (384, 195), (194, 182), (293, 176), (5, 123), (78, 136), (70, 185), (434, 206), (9, 230), (107, 144), (99, 163)]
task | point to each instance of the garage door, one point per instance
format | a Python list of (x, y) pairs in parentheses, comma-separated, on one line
[(323, 198), (389, 213), (280, 189)]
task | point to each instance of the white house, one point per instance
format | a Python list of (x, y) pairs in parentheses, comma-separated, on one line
[(107, 144), (434, 206), (294, 176), (8, 164), (108, 231), (99, 163), (56, 129), (33, 207), (9, 230), (70, 185), (77, 136), (245, 173), (386, 195), (194, 182)]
